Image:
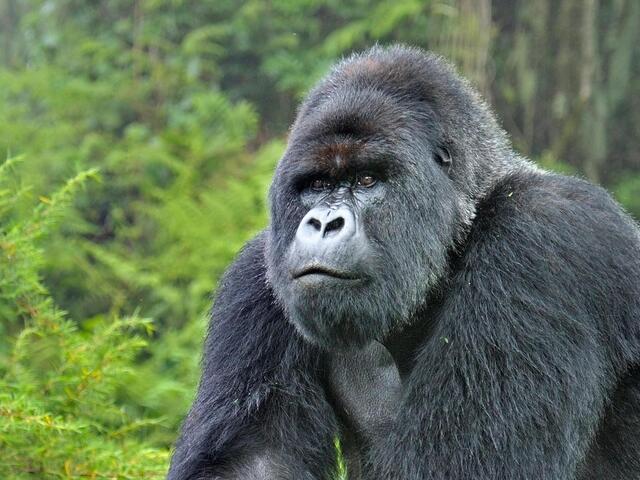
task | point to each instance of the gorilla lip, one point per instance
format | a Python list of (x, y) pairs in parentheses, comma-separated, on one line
[(324, 271)]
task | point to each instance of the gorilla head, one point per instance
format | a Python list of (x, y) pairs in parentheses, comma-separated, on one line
[(376, 187)]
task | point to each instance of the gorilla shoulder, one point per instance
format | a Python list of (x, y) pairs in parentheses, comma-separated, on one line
[(564, 205), (556, 234)]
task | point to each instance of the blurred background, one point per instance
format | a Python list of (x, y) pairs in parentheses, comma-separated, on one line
[(138, 139)]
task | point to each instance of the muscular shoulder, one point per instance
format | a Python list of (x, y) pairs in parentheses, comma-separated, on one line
[(553, 210), (246, 276), (556, 235), (245, 312)]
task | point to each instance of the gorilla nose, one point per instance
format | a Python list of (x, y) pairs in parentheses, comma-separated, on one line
[(327, 224)]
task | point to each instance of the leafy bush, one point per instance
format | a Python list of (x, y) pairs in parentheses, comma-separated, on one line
[(59, 384)]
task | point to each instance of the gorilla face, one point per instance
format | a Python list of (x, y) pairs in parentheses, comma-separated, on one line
[(363, 215)]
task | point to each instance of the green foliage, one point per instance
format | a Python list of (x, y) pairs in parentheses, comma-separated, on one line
[(59, 416), (183, 108), (180, 189), (549, 162), (628, 192)]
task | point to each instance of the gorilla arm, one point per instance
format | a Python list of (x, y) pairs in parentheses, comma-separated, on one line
[(260, 412), (514, 378)]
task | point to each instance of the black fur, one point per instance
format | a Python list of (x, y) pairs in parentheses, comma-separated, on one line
[(508, 298)]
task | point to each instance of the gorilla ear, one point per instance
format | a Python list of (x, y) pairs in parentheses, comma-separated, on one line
[(443, 157)]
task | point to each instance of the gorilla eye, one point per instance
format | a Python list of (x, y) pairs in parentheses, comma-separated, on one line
[(366, 181), (319, 184)]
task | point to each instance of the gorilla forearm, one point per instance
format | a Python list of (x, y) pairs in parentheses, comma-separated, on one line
[(263, 465), (480, 412), (260, 409)]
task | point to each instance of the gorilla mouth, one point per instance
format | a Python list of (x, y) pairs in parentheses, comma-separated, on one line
[(323, 271)]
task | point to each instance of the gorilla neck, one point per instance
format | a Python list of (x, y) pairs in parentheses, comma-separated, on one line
[(404, 344)]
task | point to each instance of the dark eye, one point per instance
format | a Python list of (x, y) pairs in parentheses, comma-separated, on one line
[(319, 184), (366, 181)]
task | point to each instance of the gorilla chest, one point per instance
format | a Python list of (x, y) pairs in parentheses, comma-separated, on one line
[(364, 386)]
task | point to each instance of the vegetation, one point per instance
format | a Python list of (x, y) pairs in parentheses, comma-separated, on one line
[(140, 138)]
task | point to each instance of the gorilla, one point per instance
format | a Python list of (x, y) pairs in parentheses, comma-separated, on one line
[(423, 297)]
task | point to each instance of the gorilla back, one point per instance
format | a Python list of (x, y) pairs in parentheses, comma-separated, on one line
[(445, 308)]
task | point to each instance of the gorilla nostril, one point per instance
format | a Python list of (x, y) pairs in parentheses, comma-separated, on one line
[(322, 223), (335, 224), (315, 223)]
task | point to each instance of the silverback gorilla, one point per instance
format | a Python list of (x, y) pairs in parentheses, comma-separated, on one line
[(424, 294)]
